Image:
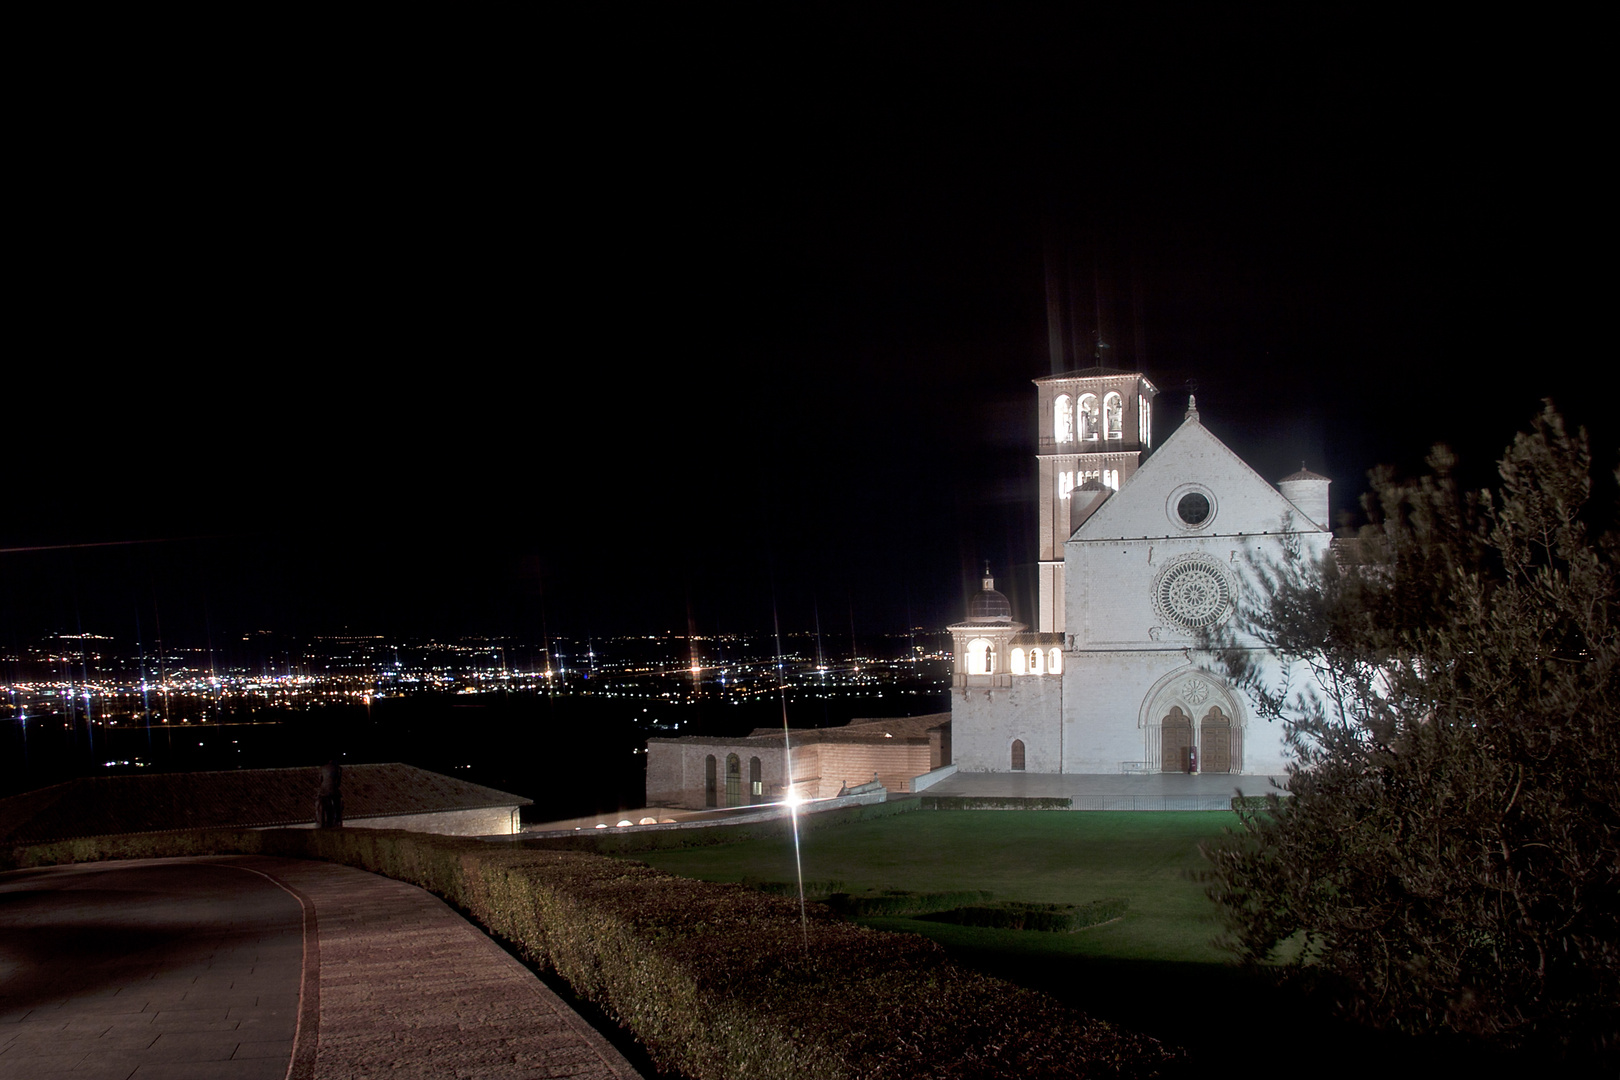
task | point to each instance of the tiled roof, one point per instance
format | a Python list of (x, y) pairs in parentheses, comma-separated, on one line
[(244, 798)]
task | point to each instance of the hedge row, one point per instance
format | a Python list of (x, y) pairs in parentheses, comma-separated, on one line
[(717, 981), (990, 802), (897, 902), (1053, 918)]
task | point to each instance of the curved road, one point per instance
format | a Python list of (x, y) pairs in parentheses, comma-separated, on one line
[(266, 968)]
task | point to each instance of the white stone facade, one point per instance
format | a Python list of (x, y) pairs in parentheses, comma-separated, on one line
[(1145, 568)]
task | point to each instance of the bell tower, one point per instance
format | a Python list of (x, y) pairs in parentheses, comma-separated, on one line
[(1095, 424)]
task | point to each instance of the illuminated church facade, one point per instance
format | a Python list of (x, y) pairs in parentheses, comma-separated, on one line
[(1141, 549)]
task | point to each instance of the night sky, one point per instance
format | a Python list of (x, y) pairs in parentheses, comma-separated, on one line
[(590, 327)]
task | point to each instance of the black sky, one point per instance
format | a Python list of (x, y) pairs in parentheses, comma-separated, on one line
[(599, 326)]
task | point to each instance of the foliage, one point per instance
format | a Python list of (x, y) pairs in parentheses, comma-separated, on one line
[(1450, 857)]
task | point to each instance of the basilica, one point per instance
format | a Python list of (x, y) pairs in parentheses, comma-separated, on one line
[(1141, 550)]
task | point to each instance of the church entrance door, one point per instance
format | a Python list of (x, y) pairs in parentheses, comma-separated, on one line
[(1215, 741), (1176, 741)]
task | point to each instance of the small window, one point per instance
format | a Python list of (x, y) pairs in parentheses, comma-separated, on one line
[(1018, 755)]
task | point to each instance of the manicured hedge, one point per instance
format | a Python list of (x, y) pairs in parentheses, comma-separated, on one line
[(991, 802), (1053, 918), (718, 981)]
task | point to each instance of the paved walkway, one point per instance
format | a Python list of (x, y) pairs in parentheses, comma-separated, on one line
[(248, 968), (1111, 791)]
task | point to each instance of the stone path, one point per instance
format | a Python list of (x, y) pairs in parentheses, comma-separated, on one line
[(266, 968)]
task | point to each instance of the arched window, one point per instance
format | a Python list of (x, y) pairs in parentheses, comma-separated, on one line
[(733, 780), (981, 657), (1063, 419), (1055, 663), (710, 796), (756, 783), (1018, 661), (1036, 667), (1065, 484), (1144, 418), (1114, 415), (1018, 755), (1088, 417)]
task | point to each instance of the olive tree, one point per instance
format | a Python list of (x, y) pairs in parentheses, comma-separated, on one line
[(1447, 853)]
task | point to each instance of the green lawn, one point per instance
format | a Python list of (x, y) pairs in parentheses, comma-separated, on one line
[(1037, 856)]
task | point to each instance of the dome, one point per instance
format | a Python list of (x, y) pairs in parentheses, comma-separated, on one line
[(988, 605)]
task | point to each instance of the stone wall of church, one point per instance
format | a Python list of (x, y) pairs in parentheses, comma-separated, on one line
[(984, 725), (1117, 701)]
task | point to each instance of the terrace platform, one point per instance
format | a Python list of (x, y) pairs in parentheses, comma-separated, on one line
[(1110, 791)]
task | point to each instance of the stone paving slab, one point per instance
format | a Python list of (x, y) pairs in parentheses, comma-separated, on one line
[(109, 969), (408, 989)]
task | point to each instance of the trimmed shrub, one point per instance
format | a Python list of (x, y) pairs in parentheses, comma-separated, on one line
[(901, 902), (988, 802), (1052, 918)]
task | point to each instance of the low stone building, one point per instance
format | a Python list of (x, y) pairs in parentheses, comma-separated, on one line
[(387, 796), (700, 770)]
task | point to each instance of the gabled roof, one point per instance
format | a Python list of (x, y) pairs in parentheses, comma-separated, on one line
[(1244, 503), (244, 798)]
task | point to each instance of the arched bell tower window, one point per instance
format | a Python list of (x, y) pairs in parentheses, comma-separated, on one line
[(1144, 420), (1018, 660), (1036, 666), (981, 657), (1055, 665), (1088, 417), (1114, 415), (1063, 419)]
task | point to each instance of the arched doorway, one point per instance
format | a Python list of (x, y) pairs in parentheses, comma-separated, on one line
[(1215, 741), (733, 780), (1191, 710), (710, 795), (1175, 741)]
